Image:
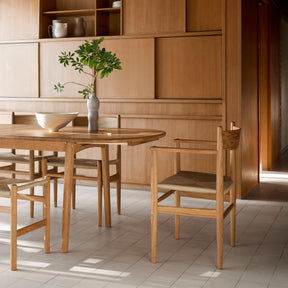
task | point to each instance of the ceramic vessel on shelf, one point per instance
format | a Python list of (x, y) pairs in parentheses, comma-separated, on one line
[(116, 4), (59, 29), (93, 113), (79, 27), (50, 28), (54, 121)]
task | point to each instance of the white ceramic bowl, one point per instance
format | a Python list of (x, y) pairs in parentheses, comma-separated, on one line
[(116, 4), (54, 121)]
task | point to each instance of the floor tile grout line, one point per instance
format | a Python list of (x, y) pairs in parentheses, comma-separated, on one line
[(285, 246), (258, 245)]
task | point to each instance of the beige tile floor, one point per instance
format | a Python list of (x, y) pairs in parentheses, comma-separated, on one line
[(120, 256)]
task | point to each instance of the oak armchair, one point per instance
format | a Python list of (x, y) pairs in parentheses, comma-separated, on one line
[(216, 186), (13, 188)]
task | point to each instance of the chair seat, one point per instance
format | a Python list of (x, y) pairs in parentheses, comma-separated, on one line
[(194, 182), (78, 162), (16, 158), (5, 185)]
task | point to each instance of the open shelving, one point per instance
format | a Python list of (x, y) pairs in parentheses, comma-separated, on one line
[(102, 19)]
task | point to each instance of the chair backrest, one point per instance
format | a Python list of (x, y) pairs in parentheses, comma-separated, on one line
[(231, 138), (103, 121), (23, 118), (6, 117), (113, 121), (227, 140)]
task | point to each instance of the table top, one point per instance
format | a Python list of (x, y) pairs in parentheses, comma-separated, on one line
[(80, 135)]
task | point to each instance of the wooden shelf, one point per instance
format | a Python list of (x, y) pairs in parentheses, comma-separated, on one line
[(102, 19), (108, 10), (80, 12)]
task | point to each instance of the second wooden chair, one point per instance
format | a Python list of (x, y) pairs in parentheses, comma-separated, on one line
[(13, 188), (20, 163), (95, 164)]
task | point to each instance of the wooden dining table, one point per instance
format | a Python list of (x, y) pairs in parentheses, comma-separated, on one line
[(72, 140)]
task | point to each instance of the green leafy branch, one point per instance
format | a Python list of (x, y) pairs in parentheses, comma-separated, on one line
[(89, 55)]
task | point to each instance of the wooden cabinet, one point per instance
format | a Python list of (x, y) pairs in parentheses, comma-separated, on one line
[(188, 67), (108, 18), (99, 16), (153, 16), (204, 15), (52, 72), (136, 80), (19, 19), (19, 70)]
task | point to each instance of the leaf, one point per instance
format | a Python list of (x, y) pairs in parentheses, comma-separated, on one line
[(102, 74)]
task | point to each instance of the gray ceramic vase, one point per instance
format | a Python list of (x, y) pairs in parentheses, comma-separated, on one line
[(93, 113)]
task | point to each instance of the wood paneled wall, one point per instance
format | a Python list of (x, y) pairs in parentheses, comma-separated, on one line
[(137, 79), (153, 16), (24, 11), (51, 72), (197, 66), (232, 72), (269, 85), (205, 15), (249, 105), (284, 84), (188, 66), (275, 85), (19, 75)]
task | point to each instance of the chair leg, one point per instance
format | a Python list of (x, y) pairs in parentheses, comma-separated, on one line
[(118, 196), (13, 168), (31, 177), (219, 224), (177, 217), (220, 243), (154, 206), (46, 215), (13, 231), (154, 220), (99, 193), (119, 172), (74, 194), (32, 203), (55, 192), (233, 217)]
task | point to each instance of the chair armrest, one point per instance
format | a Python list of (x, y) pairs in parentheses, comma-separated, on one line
[(30, 184), (191, 141), (183, 150), (47, 157)]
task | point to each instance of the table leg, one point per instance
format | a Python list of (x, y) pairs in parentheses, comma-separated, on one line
[(68, 181), (106, 184)]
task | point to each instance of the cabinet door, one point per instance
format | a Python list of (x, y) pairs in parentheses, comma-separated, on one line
[(136, 80), (19, 70), (204, 15), (153, 16), (188, 67), (19, 19), (53, 72)]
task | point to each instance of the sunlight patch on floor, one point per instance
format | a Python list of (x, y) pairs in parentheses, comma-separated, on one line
[(272, 176)]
